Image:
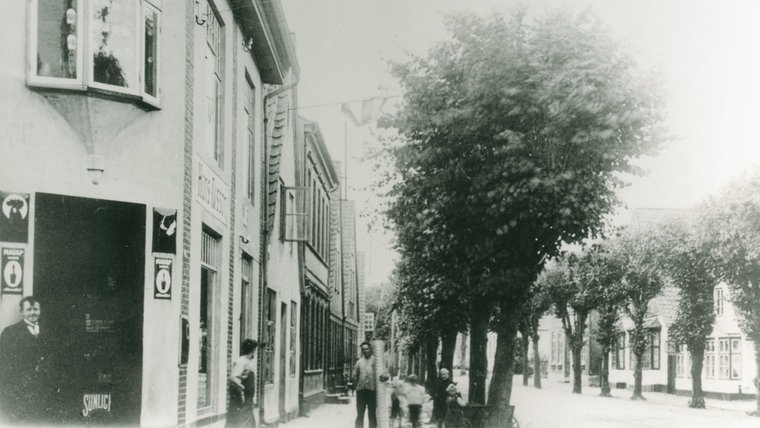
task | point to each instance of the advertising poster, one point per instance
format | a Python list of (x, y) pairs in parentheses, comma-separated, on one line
[(12, 265), (164, 230), (14, 217), (162, 287)]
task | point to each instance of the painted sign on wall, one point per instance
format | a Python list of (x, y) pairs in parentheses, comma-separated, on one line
[(95, 402), (212, 192), (12, 270), (14, 217)]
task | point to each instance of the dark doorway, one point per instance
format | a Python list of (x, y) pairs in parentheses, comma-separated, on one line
[(89, 270)]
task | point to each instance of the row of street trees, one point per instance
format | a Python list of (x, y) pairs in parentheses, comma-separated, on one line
[(717, 241), (511, 140)]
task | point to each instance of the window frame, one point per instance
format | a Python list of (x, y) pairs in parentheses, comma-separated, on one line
[(620, 351), (709, 362), (719, 300), (249, 108), (729, 355), (293, 215), (293, 344), (270, 334), (85, 50), (210, 261)]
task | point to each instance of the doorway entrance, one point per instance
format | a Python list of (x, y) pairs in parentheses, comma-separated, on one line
[(89, 274)]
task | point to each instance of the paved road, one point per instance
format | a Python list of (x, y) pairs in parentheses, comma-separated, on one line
[(555, 406)]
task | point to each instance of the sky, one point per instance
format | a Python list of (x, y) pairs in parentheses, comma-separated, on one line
[(706, 51)]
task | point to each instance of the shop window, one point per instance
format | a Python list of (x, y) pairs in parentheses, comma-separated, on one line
[(106, 45), (210, 263), (270, 317)]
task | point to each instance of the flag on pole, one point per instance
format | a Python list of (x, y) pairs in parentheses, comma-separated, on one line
[(365, 111)]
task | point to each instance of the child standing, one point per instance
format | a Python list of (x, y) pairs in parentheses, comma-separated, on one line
[(454, 413), (397, 387), (415, 397)]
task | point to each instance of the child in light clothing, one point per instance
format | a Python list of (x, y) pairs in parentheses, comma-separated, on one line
[(415, 396)]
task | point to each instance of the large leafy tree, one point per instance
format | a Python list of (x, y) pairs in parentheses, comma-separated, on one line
[(686, 261), (572, 286), (732, 223), (608, 273), (641, 281), (512, 135)]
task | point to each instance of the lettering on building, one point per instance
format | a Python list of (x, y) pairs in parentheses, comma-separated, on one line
[(212, 192), (95, 402)]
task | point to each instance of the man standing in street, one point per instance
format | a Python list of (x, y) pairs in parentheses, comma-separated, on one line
[(23, 355), (366, 387)]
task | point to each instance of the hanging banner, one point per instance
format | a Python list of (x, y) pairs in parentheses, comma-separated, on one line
[(164, 230), (12, 270), (162, 287), (14, 217)]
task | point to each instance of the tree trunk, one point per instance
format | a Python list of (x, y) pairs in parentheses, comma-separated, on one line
[(604, 380), (757, 377), (431, 371), (478, 359), (697, 360), (524, 342), (577, 374), (538, 367), (421, 363), (500, 390), (637, 378), (448, 347)]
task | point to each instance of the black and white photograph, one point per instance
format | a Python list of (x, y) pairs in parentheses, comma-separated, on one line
[(380, 213)]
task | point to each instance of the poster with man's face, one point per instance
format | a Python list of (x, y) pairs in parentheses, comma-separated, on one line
[(14, 217)]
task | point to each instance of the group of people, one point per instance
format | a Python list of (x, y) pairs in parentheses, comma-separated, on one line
[(447, 401), (408, 393)]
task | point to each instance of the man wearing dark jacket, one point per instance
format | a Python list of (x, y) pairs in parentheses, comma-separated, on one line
[(23, 355)]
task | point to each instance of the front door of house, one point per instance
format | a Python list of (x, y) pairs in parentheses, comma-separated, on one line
[(89, 270)]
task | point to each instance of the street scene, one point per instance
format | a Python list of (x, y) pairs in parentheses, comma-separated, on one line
[(380, 213)]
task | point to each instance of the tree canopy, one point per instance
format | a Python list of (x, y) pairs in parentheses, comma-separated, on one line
[(512, 138)]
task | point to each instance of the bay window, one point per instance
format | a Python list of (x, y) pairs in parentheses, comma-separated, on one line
[(106, 45)]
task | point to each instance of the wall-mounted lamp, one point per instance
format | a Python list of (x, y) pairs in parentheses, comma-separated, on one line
[(244, 240), (95, 168), (248, 44)]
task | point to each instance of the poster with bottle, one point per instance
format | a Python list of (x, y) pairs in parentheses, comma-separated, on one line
[(12, 268)]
